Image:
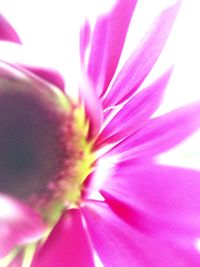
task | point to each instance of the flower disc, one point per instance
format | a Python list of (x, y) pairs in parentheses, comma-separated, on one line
[(41, 149)]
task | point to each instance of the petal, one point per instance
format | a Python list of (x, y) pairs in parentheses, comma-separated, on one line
[(16, 71), (92, 105), (143, 59), (7, 32), (18, 224), (161, 133), (67, 245), (85, 33), (135, 112), (49, 75), (120, 245), (112, 245), (109, 30), (158, 200)]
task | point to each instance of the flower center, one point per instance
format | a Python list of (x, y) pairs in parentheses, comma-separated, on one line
[(43, 154)]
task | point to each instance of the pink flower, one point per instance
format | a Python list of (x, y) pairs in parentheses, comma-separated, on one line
[(82, 177)]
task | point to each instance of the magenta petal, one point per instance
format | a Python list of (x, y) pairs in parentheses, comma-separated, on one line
[(170, 193), (49, 75), (18, 225), (143, 59), (67, 245), (85, 33), (92, 105), (109, 30), (120, 245), (161, 133), (160, 200), (109, 236), (135, 112), (7, 32)]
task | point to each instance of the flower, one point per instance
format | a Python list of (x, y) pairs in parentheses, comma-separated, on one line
[(82, 177)]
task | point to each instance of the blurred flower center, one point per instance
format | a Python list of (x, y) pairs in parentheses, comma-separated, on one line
[(43, 152), (32, 150)]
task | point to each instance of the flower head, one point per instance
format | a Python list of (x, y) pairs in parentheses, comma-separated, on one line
[(81, 176)]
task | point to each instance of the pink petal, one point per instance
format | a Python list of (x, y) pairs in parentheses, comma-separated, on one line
[(135, 112), (111, 243), (120, 245), (16, 71), (160, 200), (85, 33), (110, 30), (171, 193), (7, 32), (18, 224), (143, 59), (67, 244), (161, 133), (93, 108), (49, 75)]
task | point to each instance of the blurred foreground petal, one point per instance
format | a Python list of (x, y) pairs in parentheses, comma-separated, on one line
[(18, 224), (7, 32), (67, 245)]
